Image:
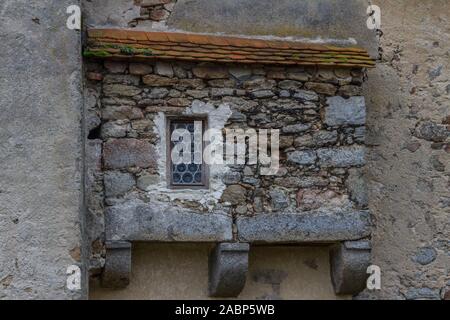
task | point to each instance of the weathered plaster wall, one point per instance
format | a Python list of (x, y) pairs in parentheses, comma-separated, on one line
[(312, 20), (409, 163), (40, 150), (162, 271), (409, 175), (327, 20)]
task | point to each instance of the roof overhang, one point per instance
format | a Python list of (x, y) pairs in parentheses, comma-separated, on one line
[(142, 45)]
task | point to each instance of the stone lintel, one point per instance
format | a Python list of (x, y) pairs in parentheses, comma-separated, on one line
[(165, 223), (304, 227)]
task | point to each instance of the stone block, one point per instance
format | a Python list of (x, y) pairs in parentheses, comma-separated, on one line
[(307, 157), (124, 153), (259, 84), (115, 66), (147, 180), (121, 79), (290, 85), (164, 69), (349, 91), (423, 294), (311, 227), (342, 111), (425, 256), (262, 94), (198, 94), (304, 141), (121, 90), (190, 84), (121, 113), (118, 183), (114, 130), (222, 83), (299, 76), (158, 93), (312, 199), (234, 194), (154, 80), (279, 200), (232, 177), (301, 182), (342, 157), (210, 72), (296, 128), (137, 221), (221, 92), (305, 95), (323, 137), (240, 73), (179, 102), (140, 69), (432, 131), (323, 88)]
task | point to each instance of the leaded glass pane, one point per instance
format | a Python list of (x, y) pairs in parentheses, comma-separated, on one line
[(185, 174)]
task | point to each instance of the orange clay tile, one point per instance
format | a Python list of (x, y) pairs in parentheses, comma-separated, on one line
[(141, 45)]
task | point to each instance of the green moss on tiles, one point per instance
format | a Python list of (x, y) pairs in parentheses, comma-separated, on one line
[(96, 54)]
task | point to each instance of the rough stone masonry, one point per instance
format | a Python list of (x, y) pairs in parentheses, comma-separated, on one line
[(319, 111)]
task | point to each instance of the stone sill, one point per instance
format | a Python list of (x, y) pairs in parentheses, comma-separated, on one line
[(139, 222), (304, 228)]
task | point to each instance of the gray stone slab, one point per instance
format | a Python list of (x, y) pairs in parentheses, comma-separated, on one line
[(342, 157), (135, 221), (304, 228), (342, 111)]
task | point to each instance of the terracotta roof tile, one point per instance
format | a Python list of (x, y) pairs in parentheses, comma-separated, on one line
[(157, 37), (126, 44)]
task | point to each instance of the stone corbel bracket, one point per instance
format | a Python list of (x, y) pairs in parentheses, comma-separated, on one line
[(349, 261), (228, 267), (117, 270), (228, 262)]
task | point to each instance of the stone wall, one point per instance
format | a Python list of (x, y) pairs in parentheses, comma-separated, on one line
[(319, 112)]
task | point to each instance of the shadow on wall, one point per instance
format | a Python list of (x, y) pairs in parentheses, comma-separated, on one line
[(180, 271)]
